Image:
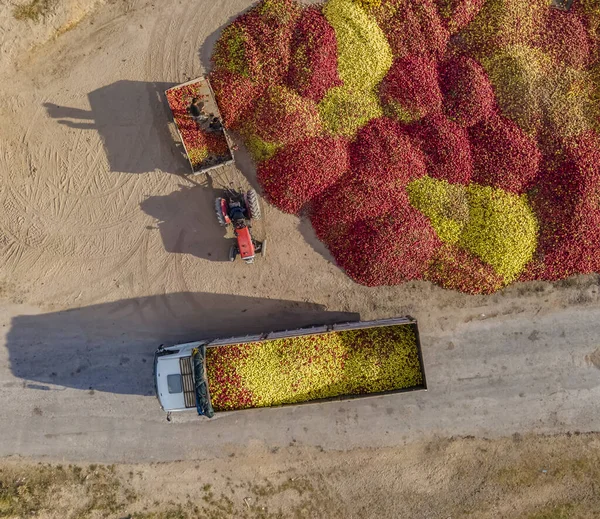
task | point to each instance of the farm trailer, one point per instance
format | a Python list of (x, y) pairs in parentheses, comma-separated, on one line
[(178, 99)]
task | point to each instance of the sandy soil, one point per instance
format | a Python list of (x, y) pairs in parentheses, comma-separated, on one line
[(523, 477), (18, 38), (94, 203)]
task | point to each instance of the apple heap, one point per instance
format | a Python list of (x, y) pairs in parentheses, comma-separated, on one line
[(455, 141), (310, 367)]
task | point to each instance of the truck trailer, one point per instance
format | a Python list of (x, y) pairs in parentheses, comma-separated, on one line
[(319, 363)]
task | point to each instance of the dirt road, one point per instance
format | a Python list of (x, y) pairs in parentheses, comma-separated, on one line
[(96, 215), (77, 385)]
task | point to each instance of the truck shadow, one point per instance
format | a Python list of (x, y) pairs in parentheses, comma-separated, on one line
[(109, 347), (132, 118)]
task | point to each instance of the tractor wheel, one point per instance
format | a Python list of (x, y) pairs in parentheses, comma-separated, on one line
[(232, 253), (219, 212), (253, 205)]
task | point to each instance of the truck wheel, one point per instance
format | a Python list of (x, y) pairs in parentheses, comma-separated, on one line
[(219, 212), (232, 253), (253, 205)]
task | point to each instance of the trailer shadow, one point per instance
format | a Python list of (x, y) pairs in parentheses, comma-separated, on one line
[(109, 347), (132, 118)]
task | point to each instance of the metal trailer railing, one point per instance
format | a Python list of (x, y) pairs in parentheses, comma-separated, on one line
[(212, 107), (203, 402)]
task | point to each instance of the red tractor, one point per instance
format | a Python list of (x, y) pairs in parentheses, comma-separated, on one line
[(239, 209)]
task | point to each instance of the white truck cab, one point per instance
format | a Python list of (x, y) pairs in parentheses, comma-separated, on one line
[(173, 376)]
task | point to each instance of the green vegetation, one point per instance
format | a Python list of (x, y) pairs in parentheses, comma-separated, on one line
[(541, 477), (27, 491)]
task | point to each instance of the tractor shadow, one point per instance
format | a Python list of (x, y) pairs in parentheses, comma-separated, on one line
[(187, 223), (133, 120), (109, 347)]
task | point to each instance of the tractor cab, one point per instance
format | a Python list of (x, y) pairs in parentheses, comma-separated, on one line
[(237, 215)]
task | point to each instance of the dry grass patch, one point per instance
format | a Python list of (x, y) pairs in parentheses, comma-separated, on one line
[(523, 477), (34, 9)]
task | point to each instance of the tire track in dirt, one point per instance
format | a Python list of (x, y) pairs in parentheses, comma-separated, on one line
[(109, 278), (82, 163), (88, 215)]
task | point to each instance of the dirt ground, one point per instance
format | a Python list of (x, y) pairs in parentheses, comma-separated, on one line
[(518, 478), (97, 214), (95, 206)]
